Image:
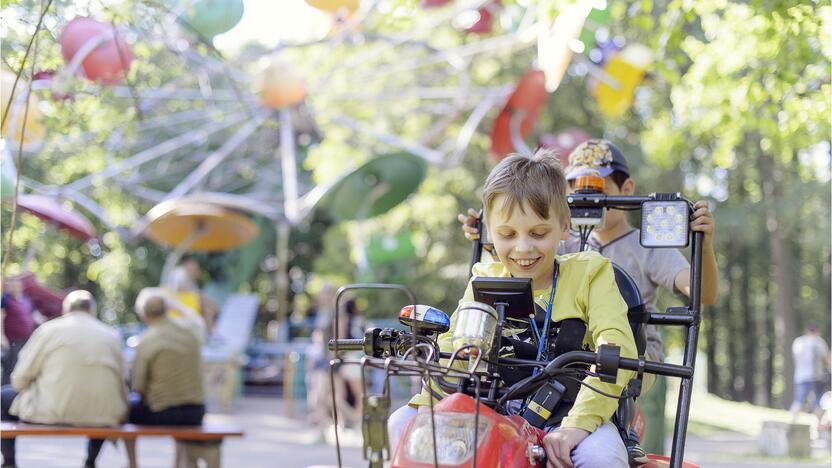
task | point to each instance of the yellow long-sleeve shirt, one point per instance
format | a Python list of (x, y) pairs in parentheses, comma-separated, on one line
[(586, 290)]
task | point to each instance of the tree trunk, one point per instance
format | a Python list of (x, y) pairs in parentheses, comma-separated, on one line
[(710, 346), (782, 256), (747, 314), (771, 348), (731, 322)]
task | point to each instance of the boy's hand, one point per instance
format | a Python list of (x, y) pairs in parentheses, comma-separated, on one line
[(559, 444), (469, 224), (702, 220)]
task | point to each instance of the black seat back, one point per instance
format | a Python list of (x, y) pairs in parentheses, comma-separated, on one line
[(636, 313)]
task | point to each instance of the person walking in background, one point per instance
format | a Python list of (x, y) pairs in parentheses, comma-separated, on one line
[(20, 317), (183, 283), (811, 365), (319, 397), (18, 324), (70, 371), (352, 325)]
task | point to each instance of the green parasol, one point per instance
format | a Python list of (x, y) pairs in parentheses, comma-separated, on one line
[(374, 188)]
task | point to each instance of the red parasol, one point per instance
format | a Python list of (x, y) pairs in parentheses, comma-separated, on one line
[(52, 211), (47, 301), (528, 99)]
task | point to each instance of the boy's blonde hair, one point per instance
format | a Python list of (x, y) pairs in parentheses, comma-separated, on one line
[(536, 181)]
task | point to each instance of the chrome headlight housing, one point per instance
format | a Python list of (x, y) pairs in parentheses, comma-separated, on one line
[(454, 437)]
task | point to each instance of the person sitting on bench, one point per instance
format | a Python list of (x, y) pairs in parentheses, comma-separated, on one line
[(71, 371), (167, 371)]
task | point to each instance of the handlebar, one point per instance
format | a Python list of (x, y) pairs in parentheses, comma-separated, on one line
[(355, 344), (587, 357)]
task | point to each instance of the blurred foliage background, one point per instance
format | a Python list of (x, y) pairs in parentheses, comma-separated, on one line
[(736, 111)]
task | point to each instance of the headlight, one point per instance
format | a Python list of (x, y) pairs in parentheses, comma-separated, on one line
[(454, 437), (664, 223), (476, 325)]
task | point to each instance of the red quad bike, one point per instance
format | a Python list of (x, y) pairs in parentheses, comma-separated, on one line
[(472, 427)]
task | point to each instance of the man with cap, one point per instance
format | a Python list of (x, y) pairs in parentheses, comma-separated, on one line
[(617, 240), (71, 371)]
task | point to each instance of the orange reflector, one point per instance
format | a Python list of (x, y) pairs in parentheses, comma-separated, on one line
[(591, 182), (406, 312)]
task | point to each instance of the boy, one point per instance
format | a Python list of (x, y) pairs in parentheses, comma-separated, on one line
[(619, 241), (525, 199)]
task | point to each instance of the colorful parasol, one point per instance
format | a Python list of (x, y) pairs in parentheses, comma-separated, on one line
[(203, 226), (374, 188), (525, 104), (54, 212), (627, 68)]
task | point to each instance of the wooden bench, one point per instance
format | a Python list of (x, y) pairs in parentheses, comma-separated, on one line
[(193, 443)]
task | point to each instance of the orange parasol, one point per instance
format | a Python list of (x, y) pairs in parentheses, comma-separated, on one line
[(198, 226)]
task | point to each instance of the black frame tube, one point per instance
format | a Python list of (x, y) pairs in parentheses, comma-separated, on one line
[(692, 339), (671, 319), (337, 360)]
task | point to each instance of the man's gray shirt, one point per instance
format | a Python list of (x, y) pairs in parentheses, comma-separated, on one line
[(649, 268)]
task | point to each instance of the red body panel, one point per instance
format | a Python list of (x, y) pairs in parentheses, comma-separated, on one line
[(507, 441)]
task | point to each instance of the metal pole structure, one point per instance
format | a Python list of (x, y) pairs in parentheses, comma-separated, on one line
[(194, 136), (288, 165), (216, 158), (686, 387), (281, 277), (430, 155)]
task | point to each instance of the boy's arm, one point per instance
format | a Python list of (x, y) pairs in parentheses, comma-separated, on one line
[(607, 323), (702, 221)]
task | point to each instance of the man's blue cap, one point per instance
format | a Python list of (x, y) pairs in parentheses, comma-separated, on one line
[(600, 155)]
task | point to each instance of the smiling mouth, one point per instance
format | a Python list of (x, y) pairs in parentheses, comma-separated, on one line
[(525, 263)]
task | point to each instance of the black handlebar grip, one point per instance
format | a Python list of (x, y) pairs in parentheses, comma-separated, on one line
[(356, 344)]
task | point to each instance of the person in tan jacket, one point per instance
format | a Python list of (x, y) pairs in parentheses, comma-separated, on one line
[(71, 371), (167, 371)]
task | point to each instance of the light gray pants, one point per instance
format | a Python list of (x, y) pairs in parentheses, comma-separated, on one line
[(601, 449)]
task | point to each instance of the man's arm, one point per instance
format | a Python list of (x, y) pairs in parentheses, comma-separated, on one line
[(29, 360), (702, 221)]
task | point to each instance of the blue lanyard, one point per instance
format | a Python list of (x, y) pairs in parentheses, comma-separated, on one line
[(544, 336)]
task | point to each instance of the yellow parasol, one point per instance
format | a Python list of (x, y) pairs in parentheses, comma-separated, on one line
[(198, 226)]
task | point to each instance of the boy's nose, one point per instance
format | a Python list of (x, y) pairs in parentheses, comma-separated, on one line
[(523, 245)]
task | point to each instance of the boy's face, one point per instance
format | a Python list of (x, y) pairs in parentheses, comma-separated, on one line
[(526, 243)]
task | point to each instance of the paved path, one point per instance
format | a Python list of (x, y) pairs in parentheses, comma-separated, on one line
[(271, 440), (274, 440)]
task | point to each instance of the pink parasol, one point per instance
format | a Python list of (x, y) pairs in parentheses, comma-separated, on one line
[(52, 211)]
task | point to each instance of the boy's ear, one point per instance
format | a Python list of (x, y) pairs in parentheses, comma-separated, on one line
[(629, 187), (565, 234)]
